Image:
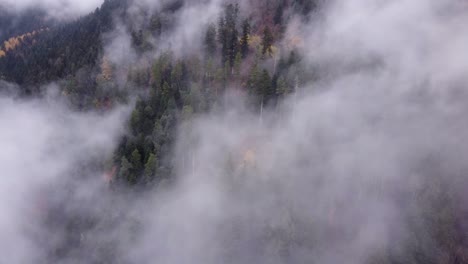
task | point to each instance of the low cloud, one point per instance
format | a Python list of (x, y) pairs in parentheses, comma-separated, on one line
[(330, 176), (43, 145), (336, 173), (58, 9)]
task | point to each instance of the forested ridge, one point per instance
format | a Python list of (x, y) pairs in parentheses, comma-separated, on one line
[(236, 53), (124, 53)]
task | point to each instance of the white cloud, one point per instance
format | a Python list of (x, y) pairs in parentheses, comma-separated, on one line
[(42, 143), (60, 9), (328, 177)]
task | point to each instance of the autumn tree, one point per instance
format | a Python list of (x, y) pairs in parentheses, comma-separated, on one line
[(106, 69)]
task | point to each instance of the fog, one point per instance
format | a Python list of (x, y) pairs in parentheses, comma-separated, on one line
[(330, 176), (43, 145), (57, 9)]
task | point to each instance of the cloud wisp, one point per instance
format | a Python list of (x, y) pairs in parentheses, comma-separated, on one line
[(57, 9), (43, 145), (330, 176)]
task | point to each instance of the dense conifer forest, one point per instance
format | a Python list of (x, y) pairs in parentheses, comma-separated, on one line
[(316, 164)]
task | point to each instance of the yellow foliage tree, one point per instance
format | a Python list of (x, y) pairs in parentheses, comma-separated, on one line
[(13, 42), (255, 41), (106, 69)]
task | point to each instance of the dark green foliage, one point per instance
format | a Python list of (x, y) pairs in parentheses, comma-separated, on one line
[(237, 65), (253, 79), (282, 87), (265, 87), (260, 85), (150, 167), (14, 24), (228, 34), (278, 18), (154, 120), (222, 38), (137, 38), (173, 89), (210, 40), (140, 40), (62, 50), (173, 6), (155, 25), (267, 41), (165, 95), (304, 7), (125, 171), (135, 120), (244, 41), (135, 159)]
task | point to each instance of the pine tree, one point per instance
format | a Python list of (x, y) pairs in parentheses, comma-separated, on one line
[(228, 34), (135, 120), (150, 167), (244, 42), (267, 41), (237, 65), (222, 39), (233, 46), (176, 76), (166, 95), (232, 12), (253, 79), (210, 40), (136, 160), (278, 18), (264, 85), (125, 171), (281, 87), (156, 25)]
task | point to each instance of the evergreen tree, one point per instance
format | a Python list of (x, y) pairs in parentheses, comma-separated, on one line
[(304, 7), (264, 86), (253, 79), (281, 87), (222, 39), (166, 95), (135, 121), (244, 42), (233, 47), (210, 40), (150, 167), (156, 25), (125, 169), (232, 12), (237, 65), (228, 34), (278, 18), (136, 160), (267, 41), (177, 77)]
